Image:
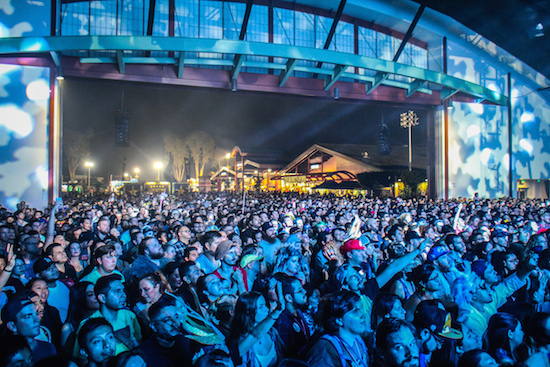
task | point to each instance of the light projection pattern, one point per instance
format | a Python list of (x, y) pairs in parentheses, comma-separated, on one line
[(478, 134), (24, 104)]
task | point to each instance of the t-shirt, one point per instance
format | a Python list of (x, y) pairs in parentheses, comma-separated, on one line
[(179, 354), (94, 275), (60, 298), (126, 329)]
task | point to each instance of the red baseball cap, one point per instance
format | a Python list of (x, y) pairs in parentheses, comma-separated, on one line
[(351, 245)]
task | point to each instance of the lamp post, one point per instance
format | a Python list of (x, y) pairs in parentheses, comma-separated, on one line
[(408, 120), (158, 166), (89, 165), (136, 171)]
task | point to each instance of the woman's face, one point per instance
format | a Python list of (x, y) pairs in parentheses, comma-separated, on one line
[(471, 340), (75, 249), (91, 300), (293, 265), (397, 310), (41, 288), (511, 262), (149, 291), (175, 279), (170, 252), (262, 311)]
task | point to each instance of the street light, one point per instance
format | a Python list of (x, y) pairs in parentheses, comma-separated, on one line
[(408, 120), (158, 166), (89, 165), (136, 171), (126, 175)]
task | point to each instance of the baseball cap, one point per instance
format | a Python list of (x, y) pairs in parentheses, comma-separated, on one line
[(432, 316), (436, 252), (267, 225), (351, 245), (498, 232), (248, 258), (41, 264), (14, 306), (479, 267), (223, 248)]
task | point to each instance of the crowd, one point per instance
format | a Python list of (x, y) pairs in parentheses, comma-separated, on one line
[(276, 279)]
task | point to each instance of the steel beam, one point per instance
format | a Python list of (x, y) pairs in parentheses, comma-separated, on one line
[(448, 93), (336, 73), (21, 46), (414, 87), (379, 78), (55, 59), (120, 61), (330, 34), (409, 33), (237, 66), (181, 65), (245, 19), (285, 74)]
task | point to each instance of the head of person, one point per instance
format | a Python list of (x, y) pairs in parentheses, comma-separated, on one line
[(505, 333), (426, 278), (166, 318), (152, 286), (133, 358), (294, 293), (83, 301), (341, 312), (226, 251), (151, 248), (190, 273), (45, 268), (110, 292), (440, 257), (385, 306), (455, 243), (251, 308), (477, 358), (486, 271), (32, 245), (15, 351), (215, 358), (97, 340), (396, 342), (184, 234), (288, 261), (433, 324), (106, 258), (20, 316), (171, 272), (537, 329), (40, 287), (353, 251), (73, 250), (209, 288), (269, 232), (251, 259), (56, 253), (210, 241), (348, 277)]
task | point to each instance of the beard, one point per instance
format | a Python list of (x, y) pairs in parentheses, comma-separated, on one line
[(270, 239), (157, 255)]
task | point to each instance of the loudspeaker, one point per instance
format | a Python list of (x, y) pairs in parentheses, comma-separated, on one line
[(122, 128)]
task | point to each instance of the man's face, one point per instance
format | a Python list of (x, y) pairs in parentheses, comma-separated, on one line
[(155, 249), (168, 323), (339, 235), (59, 255), (4, 234), (22, 358), (444, 263), (100, 344), (354, 321), (104, 227), (490, 275), (231, 257), (458, 245), (402, 349), (299, 295), (108, 261), (213, 246), (115, 299), (51, 274), (199, 226), (184, 234), (34, 246), (194, 274), (26, 322)]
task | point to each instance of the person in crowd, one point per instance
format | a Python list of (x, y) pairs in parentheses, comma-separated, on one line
[(57, 254), (385, 306), (74, 254), (253, 339), (396, 344), (341, 345), (269, 243), (477, 358), (150, 259), (167, 347), (20, 318), (428, 285), (503, 337), (83, 304), (232, 277), (151, 288), (97, 341), (15, 351), (32, 249), (190, 274), (183, 240), (207, 260), (172, 274), (104, 260), (111, 296), (59, 295), (250, 262)]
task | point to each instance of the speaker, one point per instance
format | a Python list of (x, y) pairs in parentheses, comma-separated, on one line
[(122, 128)]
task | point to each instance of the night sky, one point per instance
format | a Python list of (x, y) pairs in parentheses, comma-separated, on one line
[(283, 126)]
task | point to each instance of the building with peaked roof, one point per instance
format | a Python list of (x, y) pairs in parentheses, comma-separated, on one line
[(348, 167)]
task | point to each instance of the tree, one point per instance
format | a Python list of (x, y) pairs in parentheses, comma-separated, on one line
[(202, 149), (177, 149), (76, 147)]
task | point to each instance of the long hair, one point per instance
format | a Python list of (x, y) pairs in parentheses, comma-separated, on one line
[(157, 278), (78, 308), (284, 254), (496, 336), (245, 315), (383, 304)]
